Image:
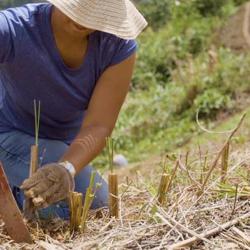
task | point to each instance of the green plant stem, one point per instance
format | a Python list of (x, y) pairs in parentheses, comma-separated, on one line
[(89, 197), (110, 146), (37, 112)]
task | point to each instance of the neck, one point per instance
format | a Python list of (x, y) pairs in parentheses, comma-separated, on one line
[(62, 30)]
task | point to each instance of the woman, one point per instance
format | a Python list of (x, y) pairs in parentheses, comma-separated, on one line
[(76, 57)]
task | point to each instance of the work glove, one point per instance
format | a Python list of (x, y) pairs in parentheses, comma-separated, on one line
[(50, 184)]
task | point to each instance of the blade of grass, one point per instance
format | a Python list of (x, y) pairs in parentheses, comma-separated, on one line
[(37, 113), (110, 148)]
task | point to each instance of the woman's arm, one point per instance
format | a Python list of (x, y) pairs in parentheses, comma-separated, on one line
[(53, 182), (102, 114)]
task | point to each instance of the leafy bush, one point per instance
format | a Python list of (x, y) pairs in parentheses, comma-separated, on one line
[(162, 52), (156, 12), (209, 7), (211, 102), (240, 2)]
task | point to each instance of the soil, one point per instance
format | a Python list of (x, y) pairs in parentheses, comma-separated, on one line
[(235, 34)]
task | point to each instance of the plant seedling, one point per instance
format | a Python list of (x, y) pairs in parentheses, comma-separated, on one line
[(29, 209), (79, 212), (34, 148), (89, 197)]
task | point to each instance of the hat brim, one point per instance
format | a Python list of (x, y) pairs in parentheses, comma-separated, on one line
[(120, 18)]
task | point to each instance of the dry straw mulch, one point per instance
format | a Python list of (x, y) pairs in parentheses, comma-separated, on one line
[(145, 225), (210, 216)]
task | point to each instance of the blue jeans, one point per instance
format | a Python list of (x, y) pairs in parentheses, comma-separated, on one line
[(15, 156)]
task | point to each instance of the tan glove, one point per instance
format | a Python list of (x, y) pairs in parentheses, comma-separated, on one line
[(50, 184)]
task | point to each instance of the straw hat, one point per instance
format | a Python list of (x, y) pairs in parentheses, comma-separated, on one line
[(118, 17)]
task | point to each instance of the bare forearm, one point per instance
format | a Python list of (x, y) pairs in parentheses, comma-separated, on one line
[(104, 107), (87, 145)]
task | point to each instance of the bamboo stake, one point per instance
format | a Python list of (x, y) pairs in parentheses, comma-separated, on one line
[(75, 210), (113, 195), (224, 163), (173, 175), (113, 181), (78, 212), (72, 211), (33, 160), (163, 187), (209, 233), (214, 164)]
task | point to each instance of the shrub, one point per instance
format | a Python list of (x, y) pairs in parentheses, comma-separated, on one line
[(211, 102), (12, 3), (240, 2), (209, 7), (156, 12)]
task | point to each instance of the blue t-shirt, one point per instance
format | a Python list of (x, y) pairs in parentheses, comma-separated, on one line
[(31, 68)]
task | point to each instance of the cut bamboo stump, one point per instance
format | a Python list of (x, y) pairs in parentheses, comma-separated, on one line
[(29, 209), (75, 210), (224, 163), (33, 159), (113, 195), (163, 188)]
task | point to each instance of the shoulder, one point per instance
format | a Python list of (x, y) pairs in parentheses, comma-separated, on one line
[(114, 49), (106, 39), (24, 13)]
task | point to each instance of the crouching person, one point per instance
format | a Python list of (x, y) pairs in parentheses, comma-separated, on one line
[(77, 59)]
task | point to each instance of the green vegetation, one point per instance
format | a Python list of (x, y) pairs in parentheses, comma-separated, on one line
[(180, 70), (176, 76), (13, 3)]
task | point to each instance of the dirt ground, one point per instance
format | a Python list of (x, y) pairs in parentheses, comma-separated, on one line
[(235, 34)]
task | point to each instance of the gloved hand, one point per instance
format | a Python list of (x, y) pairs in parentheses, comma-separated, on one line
[(50, 184)]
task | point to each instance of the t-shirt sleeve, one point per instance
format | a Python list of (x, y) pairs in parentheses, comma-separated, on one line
[(123, 50), (6, 46)]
